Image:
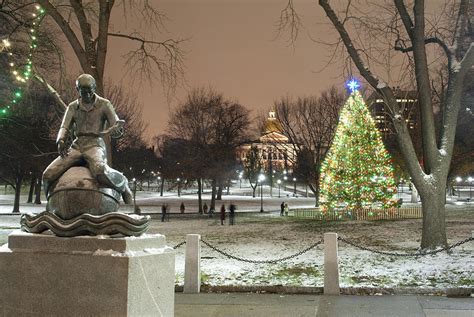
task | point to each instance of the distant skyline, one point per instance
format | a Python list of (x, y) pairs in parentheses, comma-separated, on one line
[(232, 48)]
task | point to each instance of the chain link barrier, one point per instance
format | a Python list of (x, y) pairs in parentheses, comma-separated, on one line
[(415, 254), (179, 244), (230, 256)]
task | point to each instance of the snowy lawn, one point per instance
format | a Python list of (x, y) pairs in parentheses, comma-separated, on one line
[(269, 236)]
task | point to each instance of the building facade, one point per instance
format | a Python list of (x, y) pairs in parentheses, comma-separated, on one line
[(275, 152)]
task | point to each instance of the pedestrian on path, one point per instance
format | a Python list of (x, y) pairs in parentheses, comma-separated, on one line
[(204, 208), (222, 214), (182, 208), (232, 208), (282, 208), (163, 212)]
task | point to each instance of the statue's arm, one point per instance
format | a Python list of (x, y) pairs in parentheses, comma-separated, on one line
[(63, 133), (116, 125)]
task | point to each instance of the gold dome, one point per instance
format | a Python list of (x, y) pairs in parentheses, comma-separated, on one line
[(272, 124)]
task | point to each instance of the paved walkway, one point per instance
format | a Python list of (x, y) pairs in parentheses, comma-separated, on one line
[(274, 305)]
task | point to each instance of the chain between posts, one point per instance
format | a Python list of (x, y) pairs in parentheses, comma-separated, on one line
[(261, 261), (179, 244), (416, 254)]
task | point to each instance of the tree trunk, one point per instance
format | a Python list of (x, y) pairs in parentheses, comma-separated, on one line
[(434, 225), (38, 191), (16, 203), (219, 190), (213, 195), (414, 194), (162, 186), (316, 190), (199, 195), (32, 187), (253, 190)]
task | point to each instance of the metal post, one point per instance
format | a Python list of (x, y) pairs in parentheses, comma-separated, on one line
[(261, 196), (192, 264)]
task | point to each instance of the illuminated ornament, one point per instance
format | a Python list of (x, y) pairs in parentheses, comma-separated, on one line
[(353, 85)]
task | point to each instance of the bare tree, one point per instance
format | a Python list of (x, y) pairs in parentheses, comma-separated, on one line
[(310, 123), (213, 128), (414, 35), (252, 167)]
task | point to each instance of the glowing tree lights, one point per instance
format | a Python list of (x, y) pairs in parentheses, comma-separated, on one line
[(21, 71), (357, 170)]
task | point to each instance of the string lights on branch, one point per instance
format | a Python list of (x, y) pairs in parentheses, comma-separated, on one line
[(21, 71)]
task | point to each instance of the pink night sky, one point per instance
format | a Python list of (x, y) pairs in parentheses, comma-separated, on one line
[(233, 48)]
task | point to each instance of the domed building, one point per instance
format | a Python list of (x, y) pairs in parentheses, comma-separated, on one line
[(276, 153)]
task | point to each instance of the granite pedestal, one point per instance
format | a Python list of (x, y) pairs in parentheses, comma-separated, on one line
[(45, 275)]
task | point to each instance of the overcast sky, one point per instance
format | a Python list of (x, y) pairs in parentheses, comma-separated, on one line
[(232, 48)]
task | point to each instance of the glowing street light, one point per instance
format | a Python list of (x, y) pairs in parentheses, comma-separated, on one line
[(470, 180), (458, 180), (294, 189), (179, 186)]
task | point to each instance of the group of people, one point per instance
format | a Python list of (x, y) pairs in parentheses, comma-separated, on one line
[(232, 208)]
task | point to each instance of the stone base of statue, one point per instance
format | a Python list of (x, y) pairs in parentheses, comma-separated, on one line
[(45, 275)]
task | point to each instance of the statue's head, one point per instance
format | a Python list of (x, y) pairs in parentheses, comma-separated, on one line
[(85, 85)]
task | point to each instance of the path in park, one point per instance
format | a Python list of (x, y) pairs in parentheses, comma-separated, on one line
[(275, 305)]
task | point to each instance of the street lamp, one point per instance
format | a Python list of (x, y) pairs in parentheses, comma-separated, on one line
[(279, 184), (179, 192), (458, 180), (470, 179), (261, 178), (294, 189), (240, 179)]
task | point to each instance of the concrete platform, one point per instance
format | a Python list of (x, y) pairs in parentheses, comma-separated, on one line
[(274, 305)]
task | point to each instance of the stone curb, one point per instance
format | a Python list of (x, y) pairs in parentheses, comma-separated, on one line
[(279, 289)]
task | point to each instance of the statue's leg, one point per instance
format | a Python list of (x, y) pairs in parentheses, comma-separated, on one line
[(96, 159), (58, 167)]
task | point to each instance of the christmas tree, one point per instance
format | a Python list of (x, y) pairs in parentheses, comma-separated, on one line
[(357, 170)]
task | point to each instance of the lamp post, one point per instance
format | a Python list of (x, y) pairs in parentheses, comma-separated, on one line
[(458, 180), (135, 207), (279, 184), (470, 180), (294, 188), (240, 179), (179, 185), (261, 178)]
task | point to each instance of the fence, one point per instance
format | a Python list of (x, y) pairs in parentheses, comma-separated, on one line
[(359, 214), (192, 269)]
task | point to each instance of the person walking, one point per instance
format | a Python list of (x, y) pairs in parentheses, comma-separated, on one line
[(204, 208), (163, 212), (222, 214), (282, 208), (232, 208), (182, 208)]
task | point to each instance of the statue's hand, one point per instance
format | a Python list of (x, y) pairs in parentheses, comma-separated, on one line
[(62, 148), (117, 130)]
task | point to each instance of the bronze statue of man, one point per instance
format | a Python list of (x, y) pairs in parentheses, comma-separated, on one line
[(89, 114)]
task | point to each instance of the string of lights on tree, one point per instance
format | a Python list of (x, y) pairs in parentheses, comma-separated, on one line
[(22, 71), (357, 170)]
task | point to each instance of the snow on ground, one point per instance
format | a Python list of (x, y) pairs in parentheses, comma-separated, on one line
[(357, 268), (269, 236)]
